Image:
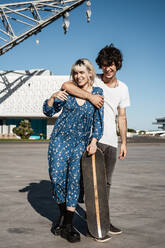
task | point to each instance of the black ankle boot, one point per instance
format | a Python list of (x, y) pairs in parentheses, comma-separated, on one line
[(60, 223), (69, 233), (58, 227)]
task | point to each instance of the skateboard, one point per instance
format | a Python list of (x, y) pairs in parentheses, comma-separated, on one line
[(95, 191)]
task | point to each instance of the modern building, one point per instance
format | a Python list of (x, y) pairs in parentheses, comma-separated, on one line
[(160, 122), (22, 94)]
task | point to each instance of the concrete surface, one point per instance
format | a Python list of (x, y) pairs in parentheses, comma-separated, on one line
[(27, 210)]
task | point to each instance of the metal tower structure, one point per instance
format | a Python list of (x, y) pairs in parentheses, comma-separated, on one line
[(20, 20)]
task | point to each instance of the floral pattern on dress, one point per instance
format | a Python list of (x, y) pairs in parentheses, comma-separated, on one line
[(71, 134)]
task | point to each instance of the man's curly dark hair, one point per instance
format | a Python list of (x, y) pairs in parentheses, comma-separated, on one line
[(110, 54)]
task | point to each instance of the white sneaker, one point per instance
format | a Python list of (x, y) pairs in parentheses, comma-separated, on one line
[(114, 230), (104, 239)]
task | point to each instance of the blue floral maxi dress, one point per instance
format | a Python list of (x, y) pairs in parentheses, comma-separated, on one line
[(69, 139)]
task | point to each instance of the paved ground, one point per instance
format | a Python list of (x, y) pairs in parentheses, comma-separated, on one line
[(27, 211)]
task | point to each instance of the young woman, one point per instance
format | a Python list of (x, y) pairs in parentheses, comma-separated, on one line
[(79, 127)]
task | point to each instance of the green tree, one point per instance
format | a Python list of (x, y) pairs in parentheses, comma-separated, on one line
[(131, 130), (141, 132), (24, 129)]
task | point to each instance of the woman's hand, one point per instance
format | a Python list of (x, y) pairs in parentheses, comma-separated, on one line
[(62, 95), (92, 147)]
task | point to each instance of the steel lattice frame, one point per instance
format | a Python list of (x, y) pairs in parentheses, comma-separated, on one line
[(32, 17)]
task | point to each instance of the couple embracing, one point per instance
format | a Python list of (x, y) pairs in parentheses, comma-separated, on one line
[(91, 108)]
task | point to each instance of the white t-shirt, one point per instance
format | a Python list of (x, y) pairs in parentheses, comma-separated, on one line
[(113, 98)]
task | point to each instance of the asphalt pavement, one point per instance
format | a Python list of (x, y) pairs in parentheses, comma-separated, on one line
[(27, 209)]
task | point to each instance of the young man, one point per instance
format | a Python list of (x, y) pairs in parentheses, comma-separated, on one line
[(116, 99)]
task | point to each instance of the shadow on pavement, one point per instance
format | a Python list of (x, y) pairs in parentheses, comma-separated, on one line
[(40, 198)]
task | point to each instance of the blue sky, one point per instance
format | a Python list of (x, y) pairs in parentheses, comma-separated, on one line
[(134, 26)]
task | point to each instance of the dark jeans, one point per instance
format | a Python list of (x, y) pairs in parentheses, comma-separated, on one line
[(110, 154)]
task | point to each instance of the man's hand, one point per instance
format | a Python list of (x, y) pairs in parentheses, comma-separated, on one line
[(123, 151), (96, 100), (122, 122)]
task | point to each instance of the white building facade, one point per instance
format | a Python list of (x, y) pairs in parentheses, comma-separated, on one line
[(22, 95)]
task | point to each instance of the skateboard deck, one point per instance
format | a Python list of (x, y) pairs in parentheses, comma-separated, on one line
[(94, 179)]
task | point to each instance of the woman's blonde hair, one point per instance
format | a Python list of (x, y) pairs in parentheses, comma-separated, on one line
[(88, 66)]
